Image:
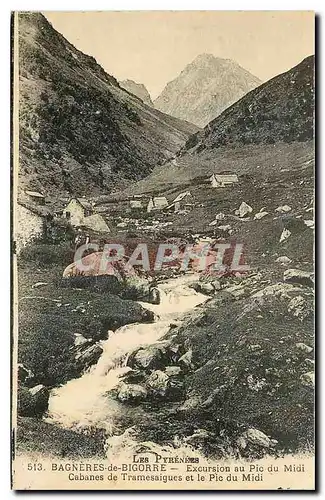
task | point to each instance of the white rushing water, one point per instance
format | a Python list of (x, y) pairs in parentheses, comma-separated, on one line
[(84, 403)]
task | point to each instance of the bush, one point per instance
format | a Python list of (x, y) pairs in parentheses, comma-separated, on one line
[(44, 254)]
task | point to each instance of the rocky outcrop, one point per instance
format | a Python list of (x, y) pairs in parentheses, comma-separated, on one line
[(137, 89), (205, 88), (33, 402)]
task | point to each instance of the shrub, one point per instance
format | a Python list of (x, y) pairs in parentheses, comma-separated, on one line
[(44, 254)]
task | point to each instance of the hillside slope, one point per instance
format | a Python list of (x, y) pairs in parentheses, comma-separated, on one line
[(281, 109), (137, 89), (205, 88), (80, 132)]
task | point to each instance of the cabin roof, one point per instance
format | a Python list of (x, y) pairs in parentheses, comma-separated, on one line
[(82, 201), (225, 177), (181, 196), (34, 194)]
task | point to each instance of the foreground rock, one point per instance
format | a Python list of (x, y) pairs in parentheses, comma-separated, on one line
[(87, 356), (131, 393), (255, 437), (158, 383), (33, 402), (244, 209), (298, 276)]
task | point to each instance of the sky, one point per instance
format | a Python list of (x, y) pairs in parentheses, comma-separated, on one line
[(153, 47)]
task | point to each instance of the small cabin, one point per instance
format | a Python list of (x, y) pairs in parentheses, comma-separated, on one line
[(35, 197), (157, 203), (183, 201), (76, 210), (136, 204), (223, 180)]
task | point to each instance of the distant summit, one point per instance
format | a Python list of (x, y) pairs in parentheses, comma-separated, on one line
[(205, 88), (137, 89)]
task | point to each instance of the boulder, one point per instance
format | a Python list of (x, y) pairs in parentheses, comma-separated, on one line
[(244, 209), (33, 402), (216, 284), (205, 288), (226, 228), (199, 438), (283, 209), (158, 383), (131, 393), (256, 438), (308, 379), (304, 347), (185, 361), (148, 358), (173, 371), (309, 223), (298, 276), (88, 355), (283, 260), (80, 340), (24, 374), (299, 307), (284, 235), (260, 215)]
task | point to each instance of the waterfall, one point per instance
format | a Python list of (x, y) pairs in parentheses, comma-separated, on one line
[(84, 403)]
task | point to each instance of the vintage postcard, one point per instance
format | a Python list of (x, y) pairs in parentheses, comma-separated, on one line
[(163, 250)]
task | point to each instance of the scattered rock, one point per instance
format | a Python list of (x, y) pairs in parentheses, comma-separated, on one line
[(199, 437), (149, 358), (173, 371), (284, 235), (227, 227), (283, 260), (24, 374), (158, 382), (185, 361), (216, 284), (257, 438), (297, 276), (260, 215), (39, 284), (80, 340), (87, 356), (33, 402), (191, 404), (299, 307), (308, 379), (309, 223), (244, 209), (241, 443), (304, 347), (131, 393), (283, 209), (220, 216)]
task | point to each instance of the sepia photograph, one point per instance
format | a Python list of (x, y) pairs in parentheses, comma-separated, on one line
[(163, 190)]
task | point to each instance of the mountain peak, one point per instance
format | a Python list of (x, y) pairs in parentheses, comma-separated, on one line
[(138, 89), (205, 88)]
